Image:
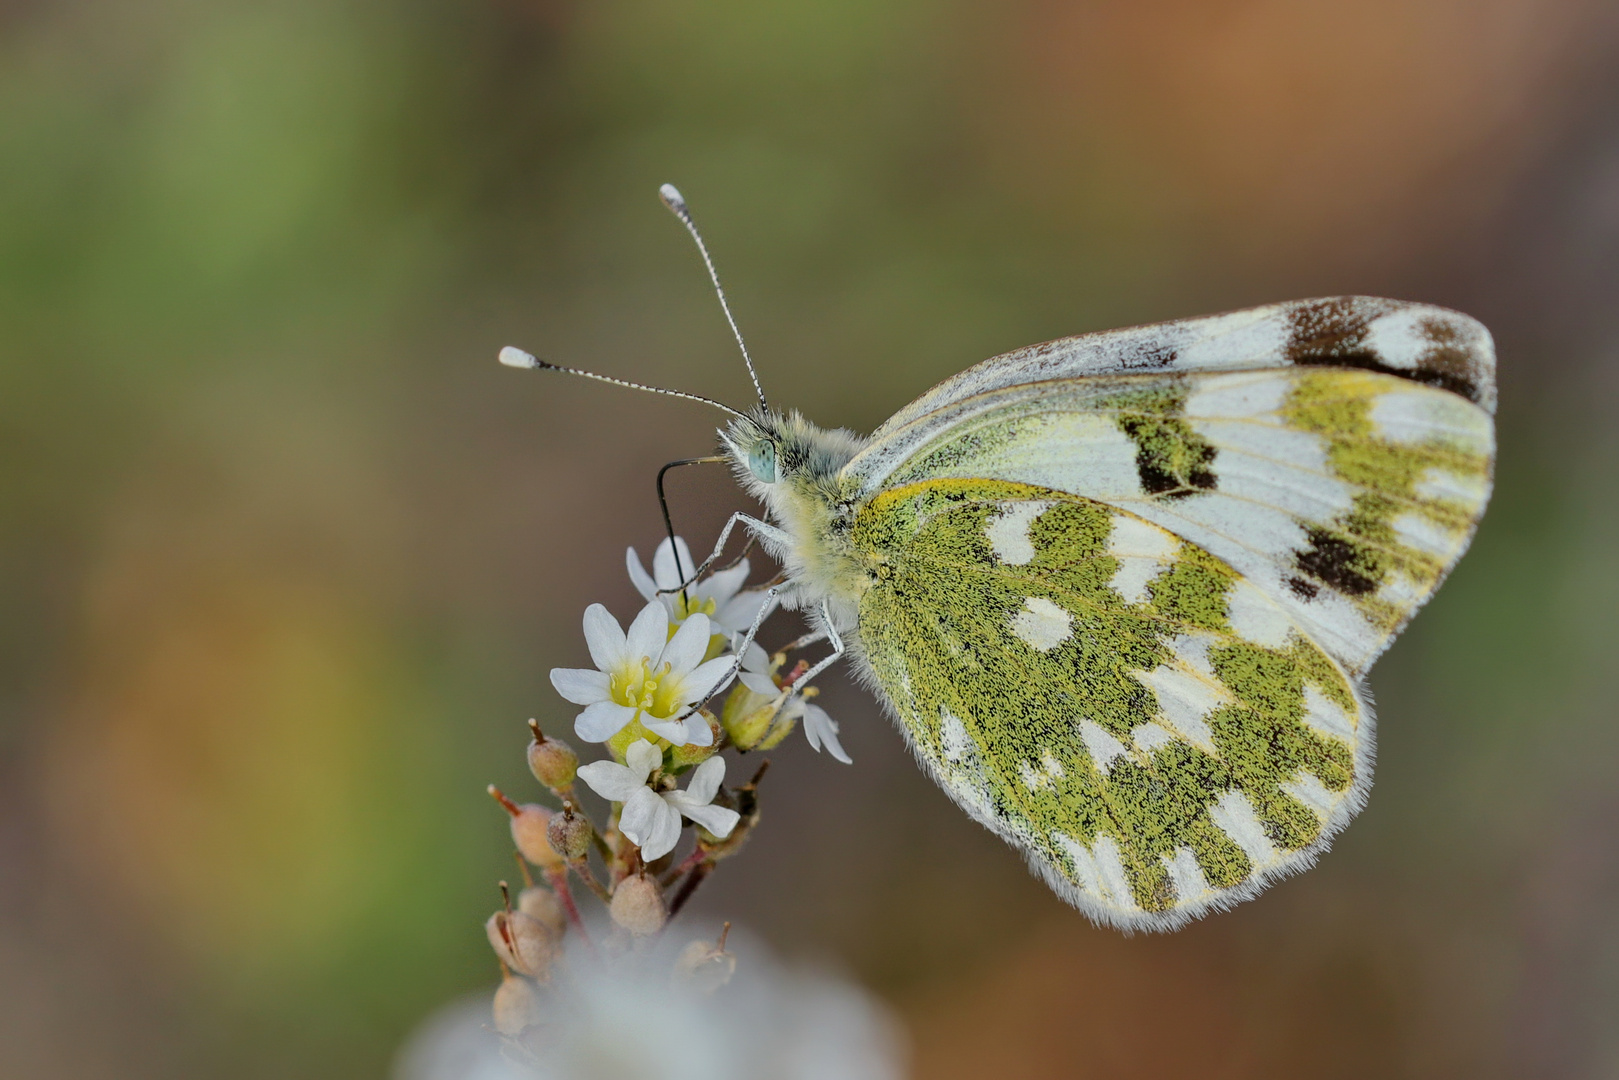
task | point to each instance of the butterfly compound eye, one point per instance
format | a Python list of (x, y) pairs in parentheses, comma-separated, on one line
[(762, 461)]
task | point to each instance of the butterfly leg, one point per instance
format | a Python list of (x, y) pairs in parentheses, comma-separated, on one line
[(831, 634), (762, 529)]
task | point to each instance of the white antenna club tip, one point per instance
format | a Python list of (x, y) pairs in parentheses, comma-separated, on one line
[(672, 198), (512, 356)]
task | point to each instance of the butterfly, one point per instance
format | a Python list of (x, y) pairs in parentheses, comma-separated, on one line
[(1121, 591)]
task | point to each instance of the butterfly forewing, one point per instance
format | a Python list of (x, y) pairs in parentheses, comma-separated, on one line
[(1344, 494), (1427, 344), (1155, 733)]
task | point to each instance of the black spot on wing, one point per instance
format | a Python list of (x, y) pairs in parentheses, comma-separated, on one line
[(1340, 562), (1334, 332), (1304, 590), (1172, 460)]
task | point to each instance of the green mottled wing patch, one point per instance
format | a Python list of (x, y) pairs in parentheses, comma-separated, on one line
[(1155, 732)]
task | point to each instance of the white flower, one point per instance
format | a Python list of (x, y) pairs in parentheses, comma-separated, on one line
[(819, 728), (645, 675), (627, 1018), (719, 596), (652, 819)]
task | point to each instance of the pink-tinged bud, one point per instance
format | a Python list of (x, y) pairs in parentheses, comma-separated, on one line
[(638, 906), (517, 1005), (529, 823), (552, 761), (523, 943), (538, 902), (569, 834)]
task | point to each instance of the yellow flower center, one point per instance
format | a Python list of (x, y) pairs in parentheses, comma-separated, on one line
[(651, 690), (688, 605)]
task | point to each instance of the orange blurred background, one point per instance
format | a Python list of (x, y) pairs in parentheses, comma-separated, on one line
[(287, 556)]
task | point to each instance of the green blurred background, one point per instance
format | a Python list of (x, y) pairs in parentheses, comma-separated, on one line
[(287, 556)]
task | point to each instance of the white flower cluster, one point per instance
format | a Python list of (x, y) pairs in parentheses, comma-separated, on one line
[(649, 689)]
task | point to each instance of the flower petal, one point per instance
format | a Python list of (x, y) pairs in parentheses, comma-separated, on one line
[(705, 781), (647, 634), (820, 728), (643, 759), (582, 686), (611, 780), (722, 585), (758, 683), (664, 570), (707, 678), (641, 810), (739, 612), (685, 650), (665, 833), (639, 577), (716, 819), (602, 720), (678, 732), (605, 638), (698, 733), (754, 658)]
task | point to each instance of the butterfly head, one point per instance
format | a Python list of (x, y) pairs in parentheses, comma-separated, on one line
[(774, 452)]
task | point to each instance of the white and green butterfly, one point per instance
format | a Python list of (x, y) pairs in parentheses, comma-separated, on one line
[(1121, 591)]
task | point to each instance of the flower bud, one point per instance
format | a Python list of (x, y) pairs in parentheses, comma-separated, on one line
[(529, 822), (638, 906), (552, 761), (538, 902), (681, 757), (523, 943), (569, 834), (517, 1005), (705, 966), (754, 721)]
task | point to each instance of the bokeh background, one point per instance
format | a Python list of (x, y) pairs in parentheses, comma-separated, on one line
[(286, 555)]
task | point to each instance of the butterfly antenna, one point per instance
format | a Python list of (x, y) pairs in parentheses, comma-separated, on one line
[(677, 203), (512, 356)]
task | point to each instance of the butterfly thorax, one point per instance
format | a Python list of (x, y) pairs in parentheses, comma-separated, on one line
[(795, 469)]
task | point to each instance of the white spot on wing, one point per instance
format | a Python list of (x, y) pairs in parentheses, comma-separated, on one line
[(1184, 700), (1235, 816), (1192, 650), (1308, 789), (1412, 414), (1186, 874), (953, 736), (1149, 737), (1032, 778), (1042, 625), (1439, 483), (1250, 338), (1084, 865), (1398, 338), (1255, 618), (1239, 397), (1142, 550), (1418, 531), (1051, 765), (1071, 451), (1008, 531), (1111, 868), (1103, 747), (1325, 716)]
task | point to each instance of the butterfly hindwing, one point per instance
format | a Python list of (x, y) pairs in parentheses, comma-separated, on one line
[(1157, 735), (1344, 494)]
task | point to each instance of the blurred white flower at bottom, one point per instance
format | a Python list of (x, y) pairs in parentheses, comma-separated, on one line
[(772, 1022)]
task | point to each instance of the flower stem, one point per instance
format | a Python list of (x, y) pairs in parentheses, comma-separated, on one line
[(582, 868), (694, 879), (559, 885)]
